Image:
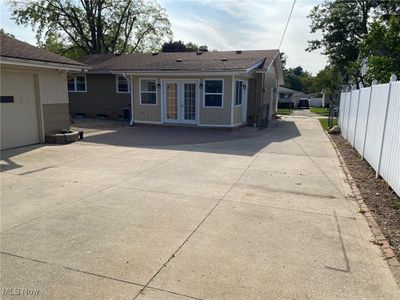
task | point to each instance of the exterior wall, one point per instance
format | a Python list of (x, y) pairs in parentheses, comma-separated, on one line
[(217, 115), (55, 117), (100, 97), (146, 112), (207, 115), (51, 97), (263, 93)]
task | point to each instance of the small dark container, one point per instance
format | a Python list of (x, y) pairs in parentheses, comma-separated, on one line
[(81, 135)]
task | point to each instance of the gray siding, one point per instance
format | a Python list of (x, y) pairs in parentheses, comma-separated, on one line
[(101, 97)]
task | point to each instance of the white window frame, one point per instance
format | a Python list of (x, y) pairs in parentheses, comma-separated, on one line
[(241, 100), (204, 92), (75, 85), (117, 85), (140, 91)]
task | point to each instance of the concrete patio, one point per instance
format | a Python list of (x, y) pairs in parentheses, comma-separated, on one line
[(184, 213)]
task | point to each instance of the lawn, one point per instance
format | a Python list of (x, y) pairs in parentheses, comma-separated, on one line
[(284, 111), (320, 110), (324, 123)]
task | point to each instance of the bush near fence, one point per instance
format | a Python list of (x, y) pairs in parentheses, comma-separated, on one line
[(370, 120)]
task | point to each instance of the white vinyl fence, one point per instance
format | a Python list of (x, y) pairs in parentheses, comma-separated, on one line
[(370, 120)]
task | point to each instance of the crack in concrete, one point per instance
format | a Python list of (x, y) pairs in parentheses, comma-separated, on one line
[(290, 209), (93, 274), (197, 227), (346, 259)]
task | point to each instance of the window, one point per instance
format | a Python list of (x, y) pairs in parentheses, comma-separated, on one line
[(123, 85), (213, 93), (148, 91), (77, 84), (239, 92)]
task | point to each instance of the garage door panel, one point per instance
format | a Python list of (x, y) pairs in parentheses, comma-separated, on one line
[(19, 120)]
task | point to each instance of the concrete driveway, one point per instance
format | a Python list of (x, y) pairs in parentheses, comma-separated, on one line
[(180, 213)]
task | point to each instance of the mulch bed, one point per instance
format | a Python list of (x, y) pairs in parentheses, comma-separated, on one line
[(382, 201)]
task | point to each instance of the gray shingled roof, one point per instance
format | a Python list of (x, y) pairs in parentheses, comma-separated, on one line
[(13, 48), (179, 61)]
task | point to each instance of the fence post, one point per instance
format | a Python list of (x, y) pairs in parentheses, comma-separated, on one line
[(348, 117), (358, 105), (393, 78), (366, 122)]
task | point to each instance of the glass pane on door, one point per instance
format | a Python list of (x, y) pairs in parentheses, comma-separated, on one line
[(172, 101), (189, 101)]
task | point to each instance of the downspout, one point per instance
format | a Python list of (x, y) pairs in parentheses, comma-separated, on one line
[(131, 123)]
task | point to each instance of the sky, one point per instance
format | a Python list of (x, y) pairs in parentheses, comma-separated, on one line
[(229, 25)]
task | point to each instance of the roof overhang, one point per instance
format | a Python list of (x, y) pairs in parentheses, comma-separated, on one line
[(40, 64), (278, 68), (180, 73)]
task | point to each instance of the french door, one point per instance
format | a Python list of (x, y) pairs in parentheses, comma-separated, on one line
[(180, 98)]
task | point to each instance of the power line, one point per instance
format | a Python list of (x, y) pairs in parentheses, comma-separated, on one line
[(287, 24)]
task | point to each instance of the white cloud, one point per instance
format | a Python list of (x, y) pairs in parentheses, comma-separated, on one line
[(251, 25)]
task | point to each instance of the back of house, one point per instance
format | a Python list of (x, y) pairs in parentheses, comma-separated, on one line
[(214, 89)]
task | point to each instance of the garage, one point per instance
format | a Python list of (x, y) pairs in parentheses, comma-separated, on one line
[(33, 92), (19, 113)]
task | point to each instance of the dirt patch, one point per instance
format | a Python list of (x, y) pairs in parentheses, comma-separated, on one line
[(377, 194)]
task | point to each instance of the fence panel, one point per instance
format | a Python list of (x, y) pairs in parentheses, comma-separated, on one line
[(362, 116), (352, 116), (341, 108), (376, 119), (345, 122), (390, 159)]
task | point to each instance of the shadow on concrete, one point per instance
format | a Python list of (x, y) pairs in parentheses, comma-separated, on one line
[(7, 163), (245, 141)]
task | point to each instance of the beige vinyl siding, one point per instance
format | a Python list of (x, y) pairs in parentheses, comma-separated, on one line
[(53, 87), (207, 115), (55, 117), (146, 112), (237, 114), (100, 97), (217, 115)]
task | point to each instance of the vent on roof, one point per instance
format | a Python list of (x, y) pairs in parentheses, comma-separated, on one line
[(154, 53), (224, 59), (199, 52), (238, 51), (179, 60)]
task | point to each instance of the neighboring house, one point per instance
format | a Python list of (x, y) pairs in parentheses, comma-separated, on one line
[(286, 98), (34, 97), (216, 89)]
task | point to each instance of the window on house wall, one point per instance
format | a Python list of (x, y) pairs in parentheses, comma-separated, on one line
[(77, 84), (148, 91), (123, 85), (239, 92), (213, 93)]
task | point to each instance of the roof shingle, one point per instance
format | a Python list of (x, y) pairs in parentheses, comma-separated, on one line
[(13, 48), (179, 61)]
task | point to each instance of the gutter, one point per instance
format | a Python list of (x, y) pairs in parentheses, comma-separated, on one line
[(131, 123)]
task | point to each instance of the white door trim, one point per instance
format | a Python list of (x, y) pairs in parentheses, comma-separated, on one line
[(180, 104)]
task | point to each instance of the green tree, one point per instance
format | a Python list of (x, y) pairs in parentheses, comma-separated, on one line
[(179, 46), (94, 26), (381, 47), (329, 82), (6, 33), (344, 25)]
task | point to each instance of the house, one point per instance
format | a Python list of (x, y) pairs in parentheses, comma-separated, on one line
[(34, 96), (285, 99), (214, 89)]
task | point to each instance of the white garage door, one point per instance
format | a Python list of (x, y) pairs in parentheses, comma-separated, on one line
[(19, 117)]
